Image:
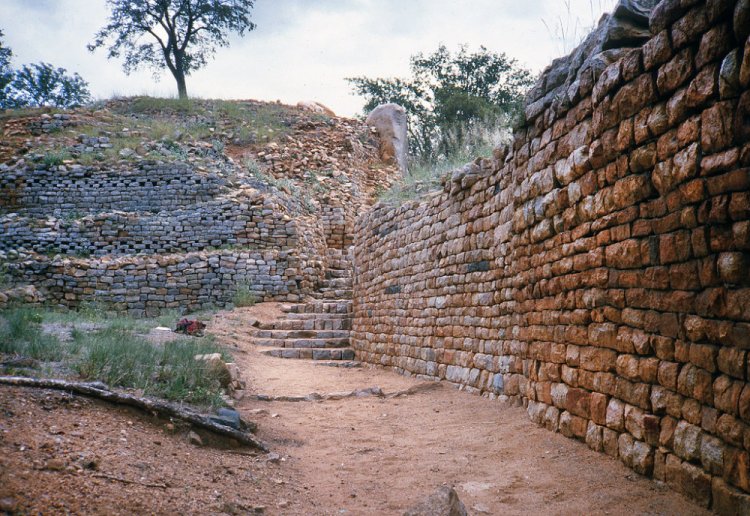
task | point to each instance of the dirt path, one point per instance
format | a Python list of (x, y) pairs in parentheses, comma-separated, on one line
[(381, 456), (369, 455)]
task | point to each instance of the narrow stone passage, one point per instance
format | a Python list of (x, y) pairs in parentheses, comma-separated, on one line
[(373, 455)]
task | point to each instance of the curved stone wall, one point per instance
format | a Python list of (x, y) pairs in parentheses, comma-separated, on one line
[(598, 271)]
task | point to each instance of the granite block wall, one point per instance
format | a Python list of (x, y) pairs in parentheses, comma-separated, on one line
[(149, 237), (597, 270)]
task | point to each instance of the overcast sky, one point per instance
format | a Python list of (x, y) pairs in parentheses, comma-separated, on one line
[(303, 49)]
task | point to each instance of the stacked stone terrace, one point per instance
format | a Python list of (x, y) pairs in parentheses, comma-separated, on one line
[(597, 270), (179, 238), (96, 207)]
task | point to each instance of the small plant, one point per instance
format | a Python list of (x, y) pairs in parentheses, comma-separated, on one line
[(218, 146), (315, 184), (55, 158), (5, 280), (244, 296)]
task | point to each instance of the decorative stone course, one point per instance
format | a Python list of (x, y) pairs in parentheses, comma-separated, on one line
[(598, 270), (247, 219), (81, 190)]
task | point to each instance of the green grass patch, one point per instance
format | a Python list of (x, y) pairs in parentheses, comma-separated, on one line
[(117, 353), (141, 105), (21, 335), (119, 357)]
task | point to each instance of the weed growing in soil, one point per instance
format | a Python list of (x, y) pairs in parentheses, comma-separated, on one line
[(116, 352), (244, 296)]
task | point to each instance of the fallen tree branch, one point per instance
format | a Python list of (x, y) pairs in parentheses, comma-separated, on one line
[(420, 387), (162, 408)]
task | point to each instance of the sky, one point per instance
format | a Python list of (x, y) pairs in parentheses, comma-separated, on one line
[(304, 49)]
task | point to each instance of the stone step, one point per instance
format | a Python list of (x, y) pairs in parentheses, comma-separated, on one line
[(301, 334), (337, 306), (337, 283), (311, 354), (303, 343), (339, 363), (303, 316), (311, 324)]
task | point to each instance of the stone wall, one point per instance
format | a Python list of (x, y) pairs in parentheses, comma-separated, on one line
[(148, 284), (247, 219), (146, 237), (597, 270), (78, 190)]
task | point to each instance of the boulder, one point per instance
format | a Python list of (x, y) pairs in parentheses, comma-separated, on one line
[(443, 502), (21, 294), (390, 122)]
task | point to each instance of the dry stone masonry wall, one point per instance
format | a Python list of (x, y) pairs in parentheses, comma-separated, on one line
[(597, 271), (80, 190), (180, 238), (246, 219)]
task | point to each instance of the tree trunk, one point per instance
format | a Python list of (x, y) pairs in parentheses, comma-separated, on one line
[(181, 87), (179, 74)]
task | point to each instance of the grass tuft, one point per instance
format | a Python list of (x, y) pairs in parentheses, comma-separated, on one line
[(244, 296), (21, 335), (117, 353), (464, 144)]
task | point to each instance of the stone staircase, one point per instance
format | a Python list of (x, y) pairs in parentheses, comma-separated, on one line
[(320, 328)]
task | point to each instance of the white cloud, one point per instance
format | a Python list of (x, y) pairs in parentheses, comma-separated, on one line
[(303, 49)]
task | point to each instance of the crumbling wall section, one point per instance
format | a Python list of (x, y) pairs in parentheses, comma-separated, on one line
[(598, 270)]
